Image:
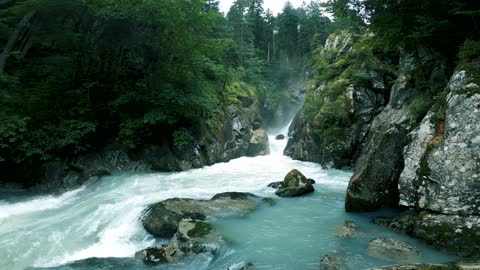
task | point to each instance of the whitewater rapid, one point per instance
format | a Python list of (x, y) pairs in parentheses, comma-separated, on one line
[(102, 220)]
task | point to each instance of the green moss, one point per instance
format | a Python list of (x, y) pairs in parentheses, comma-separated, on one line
[(201, 229)]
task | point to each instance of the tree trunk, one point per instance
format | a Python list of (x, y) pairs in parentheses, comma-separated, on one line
[(13, 39)]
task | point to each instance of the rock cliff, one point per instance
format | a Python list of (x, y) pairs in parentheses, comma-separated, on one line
[(237, 132), (413, 141)]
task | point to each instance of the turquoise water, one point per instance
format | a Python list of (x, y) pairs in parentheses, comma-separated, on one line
[(102, 220)]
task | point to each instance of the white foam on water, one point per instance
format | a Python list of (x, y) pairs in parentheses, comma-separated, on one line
[(103, 220), (36, 205)]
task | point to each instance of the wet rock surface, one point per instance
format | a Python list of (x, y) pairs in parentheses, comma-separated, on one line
[(185, 222), (392, 250), (192, 237), (295, 184), (162, 219), (349, 229), (446, 232)]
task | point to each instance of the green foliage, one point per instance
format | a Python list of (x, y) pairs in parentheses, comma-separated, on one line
[(82, 74), (182, 138), (469, 58), (420, 105), (410, 23)]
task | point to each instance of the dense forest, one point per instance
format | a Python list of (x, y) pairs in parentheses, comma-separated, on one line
[(139, 133), (75, 75)]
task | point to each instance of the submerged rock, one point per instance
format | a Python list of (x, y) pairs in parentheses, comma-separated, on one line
[(162, 219), (280, 137), (192, 237), (275, 184), (349, 229), (295, 184), (392, 250), (330, 262)]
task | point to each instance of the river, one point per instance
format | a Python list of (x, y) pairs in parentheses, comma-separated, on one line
[(102, 220)]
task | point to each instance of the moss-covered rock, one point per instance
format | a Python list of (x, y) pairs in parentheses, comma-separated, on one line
[(192, 237), (295, 184), (162, 219)]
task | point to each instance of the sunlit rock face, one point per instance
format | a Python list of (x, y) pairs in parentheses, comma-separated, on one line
[(442, 172), (374, 184), (440, 180)]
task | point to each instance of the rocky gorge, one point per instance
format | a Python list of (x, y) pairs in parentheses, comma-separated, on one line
[(411, 138), (239, 133)]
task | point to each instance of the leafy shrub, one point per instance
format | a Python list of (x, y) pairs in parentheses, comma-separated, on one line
[(182, 138)]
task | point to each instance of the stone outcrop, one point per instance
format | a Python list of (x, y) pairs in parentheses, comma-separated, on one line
[(359, 100), (374, 184), (392, 250), (295, 184), (451, 233), (184, 221), (442, 172), (440, 181), (162, 219), (191, 238), (238, 134)]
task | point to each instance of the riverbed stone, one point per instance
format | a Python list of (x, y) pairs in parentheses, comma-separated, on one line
[(392, 250), (348, 230), (192, 237), (330, 261), (295, 184), (162, 219), (280, 137)]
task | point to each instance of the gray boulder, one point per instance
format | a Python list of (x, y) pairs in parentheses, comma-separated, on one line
[(295, 184), (392, 250), (162, 219), (259, 144), (192, 237), (280, 137)]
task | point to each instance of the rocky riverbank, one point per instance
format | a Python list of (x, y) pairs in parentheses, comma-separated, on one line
[(411, 137), (239, 133)]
